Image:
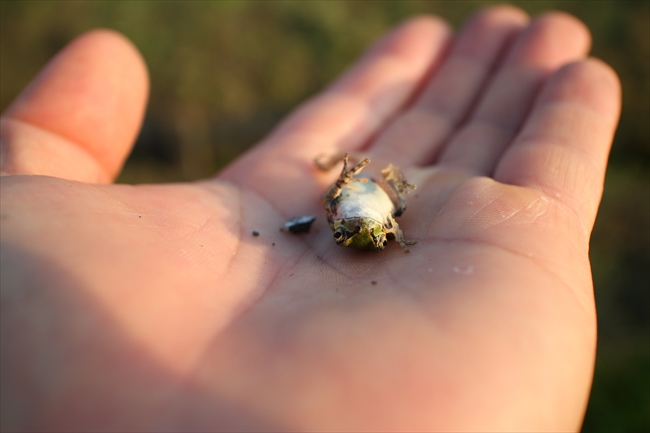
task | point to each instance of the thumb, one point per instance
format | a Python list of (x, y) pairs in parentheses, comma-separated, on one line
[(79, 117)]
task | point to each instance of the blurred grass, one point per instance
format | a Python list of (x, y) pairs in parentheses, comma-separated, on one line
[(223, 73)]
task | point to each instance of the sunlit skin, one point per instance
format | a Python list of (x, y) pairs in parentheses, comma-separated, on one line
[(152, 307)]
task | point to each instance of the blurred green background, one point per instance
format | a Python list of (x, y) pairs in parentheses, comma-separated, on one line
[(223, 73)]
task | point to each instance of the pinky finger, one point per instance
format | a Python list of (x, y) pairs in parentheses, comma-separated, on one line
[(563, 147)]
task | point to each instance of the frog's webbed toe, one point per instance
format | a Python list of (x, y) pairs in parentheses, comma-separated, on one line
[(356, 169)]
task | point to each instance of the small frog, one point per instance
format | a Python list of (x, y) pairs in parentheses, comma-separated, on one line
[(361, 211)]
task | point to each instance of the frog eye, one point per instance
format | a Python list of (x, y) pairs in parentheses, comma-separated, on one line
[(339, 235)]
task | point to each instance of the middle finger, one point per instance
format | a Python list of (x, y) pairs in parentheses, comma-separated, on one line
[(549, 42), (443, 104)]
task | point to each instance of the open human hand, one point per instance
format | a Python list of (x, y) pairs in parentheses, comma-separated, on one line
[(153, 307)]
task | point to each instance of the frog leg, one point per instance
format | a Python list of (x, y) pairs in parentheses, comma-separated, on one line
[(346, 177), (398, 234), (394, 176)]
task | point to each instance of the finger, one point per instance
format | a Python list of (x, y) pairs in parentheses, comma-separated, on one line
[(415, 135), (550, 41), (351, 110), (563, 147), (79, 118), (345, 116)]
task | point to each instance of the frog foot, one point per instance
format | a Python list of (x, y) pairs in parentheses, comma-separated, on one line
[(395, 177), (398, 185), (326, 162), (346, 177), (399, 235)]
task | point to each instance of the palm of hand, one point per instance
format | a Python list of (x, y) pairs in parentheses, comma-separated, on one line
[(187, 310)]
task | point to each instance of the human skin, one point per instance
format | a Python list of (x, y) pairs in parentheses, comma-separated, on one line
[(152, 307)]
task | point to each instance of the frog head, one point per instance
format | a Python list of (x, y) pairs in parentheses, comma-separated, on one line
[(360, 232)]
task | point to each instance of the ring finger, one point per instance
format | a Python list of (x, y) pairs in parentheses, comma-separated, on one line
[(415, 135)]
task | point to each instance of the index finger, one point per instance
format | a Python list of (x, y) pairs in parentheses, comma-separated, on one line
[(344, 117)]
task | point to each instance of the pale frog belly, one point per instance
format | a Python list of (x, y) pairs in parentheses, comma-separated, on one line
[(364, 199)]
